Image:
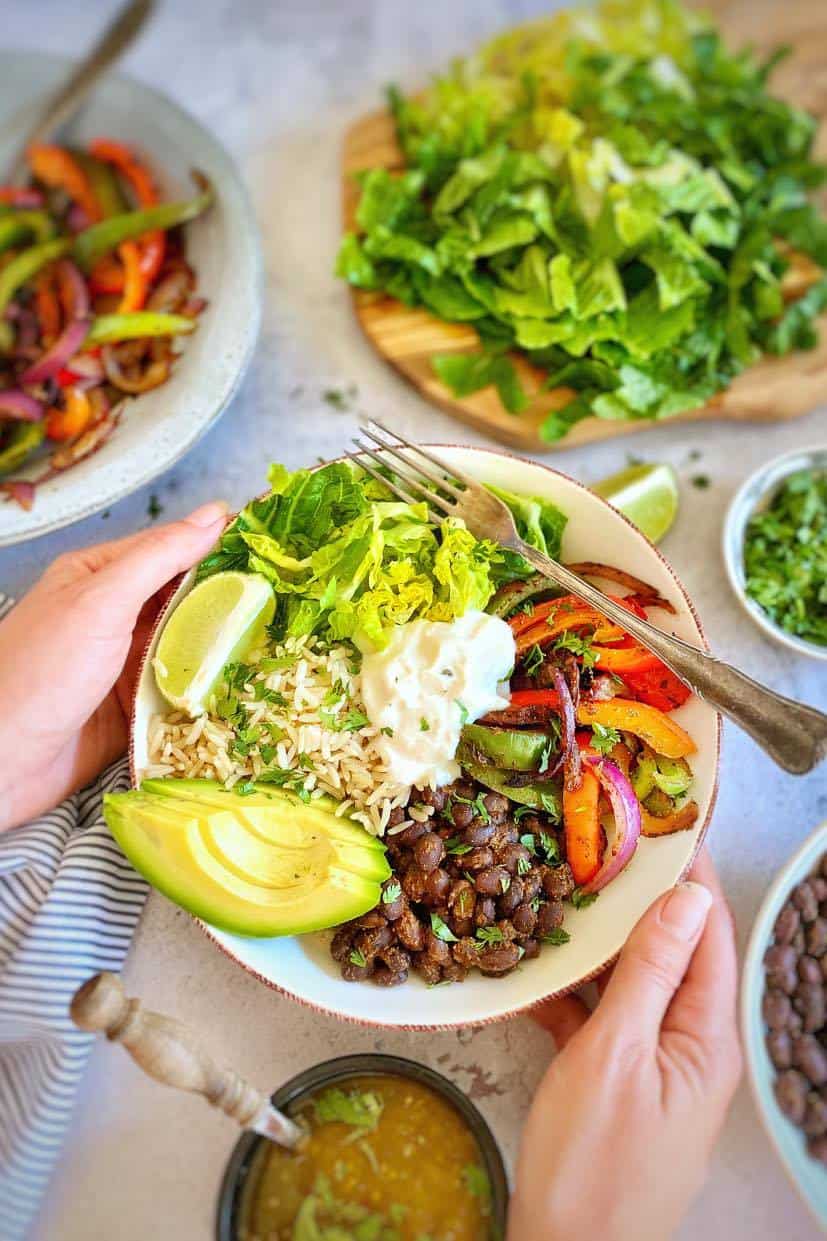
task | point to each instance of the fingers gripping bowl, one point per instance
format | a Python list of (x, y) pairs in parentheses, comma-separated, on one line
[(303, 966)]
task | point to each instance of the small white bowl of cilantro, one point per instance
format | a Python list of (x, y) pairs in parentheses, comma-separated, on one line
[(775, 549)]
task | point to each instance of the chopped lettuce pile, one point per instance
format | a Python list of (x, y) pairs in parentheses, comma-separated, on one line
[(614, 193), (348, 561)]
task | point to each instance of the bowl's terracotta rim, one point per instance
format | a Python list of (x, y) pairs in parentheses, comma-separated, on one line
[(521, 1009)]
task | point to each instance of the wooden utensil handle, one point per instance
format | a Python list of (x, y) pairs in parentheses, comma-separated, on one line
[(164, 1048)]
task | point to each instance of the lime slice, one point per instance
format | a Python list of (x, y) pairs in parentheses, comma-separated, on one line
[(646, 494), (221, 620)]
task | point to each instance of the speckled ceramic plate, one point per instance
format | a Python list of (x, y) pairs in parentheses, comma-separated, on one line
[(302, 967), (158, 428)]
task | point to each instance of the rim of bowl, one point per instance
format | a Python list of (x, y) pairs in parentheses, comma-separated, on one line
[(751, 994), (550, 995), (256, 257), (359, 1065), (748, 499)]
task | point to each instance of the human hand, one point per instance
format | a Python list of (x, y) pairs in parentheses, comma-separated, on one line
[(620, 1132), (69, 654)]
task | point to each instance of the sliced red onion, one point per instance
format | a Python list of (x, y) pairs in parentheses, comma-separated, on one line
[(77, 219), (68, 271), (56, 358), (627, 820), (20, 491), (21, 197), (571, 752), (19, 405)]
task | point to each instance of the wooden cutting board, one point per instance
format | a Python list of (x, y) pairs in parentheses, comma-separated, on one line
[(775, 389)]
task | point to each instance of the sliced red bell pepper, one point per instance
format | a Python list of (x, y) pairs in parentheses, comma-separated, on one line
[(58, 168), (107, 275), (136, 283), (152, 245), (585, 838), (658, 686)]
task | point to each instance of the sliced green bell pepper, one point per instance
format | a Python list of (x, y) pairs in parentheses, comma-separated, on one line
[(109, 328), (108, 234), (104, 182), (507, 748), (22, 268), (545, 795), (17, 443), (19, 226)]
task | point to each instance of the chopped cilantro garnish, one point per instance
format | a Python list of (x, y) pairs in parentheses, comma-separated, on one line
[(533, 660), (581, 899), (358, 958), (455, 847), (386, 732), (442, 930), (360, 1109), (523, 865), (556, 937), (579, 644), (424, 726), (391, 893), (487, 936), (604, 739)]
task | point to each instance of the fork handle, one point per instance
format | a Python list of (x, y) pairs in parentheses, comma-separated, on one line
[(794, 735)]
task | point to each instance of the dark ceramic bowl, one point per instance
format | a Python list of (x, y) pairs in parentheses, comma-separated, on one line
[(332, 1072)]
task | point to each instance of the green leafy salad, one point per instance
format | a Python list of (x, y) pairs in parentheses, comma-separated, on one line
[(613, 193), (346, 561)]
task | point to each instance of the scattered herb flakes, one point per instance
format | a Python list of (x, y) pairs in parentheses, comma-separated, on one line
[(556, 938), (386, 732), (604, 739), (244, 788), (533, 660), (785, 557), (581, 899), (360, 1109), (488, 936), (154, 507), (455, 846), (442, 930), (523, 865), (340, 398), (578, 644), (391, 892), (358, 958), (701, 481), (424, 726)]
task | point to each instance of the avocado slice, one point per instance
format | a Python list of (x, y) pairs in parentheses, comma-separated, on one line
[(507, 748), (262, 865)]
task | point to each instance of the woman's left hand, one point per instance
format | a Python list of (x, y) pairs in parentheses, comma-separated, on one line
[(69, 653)]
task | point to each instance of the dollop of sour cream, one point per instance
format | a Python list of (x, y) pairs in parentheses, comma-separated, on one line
[(431, 678)]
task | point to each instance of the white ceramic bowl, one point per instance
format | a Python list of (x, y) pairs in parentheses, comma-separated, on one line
[(806, 1174), (302, 967), (158, 428), (754, 494)]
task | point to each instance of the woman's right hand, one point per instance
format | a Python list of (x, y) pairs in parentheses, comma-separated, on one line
[(620, 1133)]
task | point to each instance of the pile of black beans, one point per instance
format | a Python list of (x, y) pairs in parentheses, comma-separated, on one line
[(472, 889), (795, 1008)]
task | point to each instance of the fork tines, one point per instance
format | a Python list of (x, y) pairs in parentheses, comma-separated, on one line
[(393, 452)]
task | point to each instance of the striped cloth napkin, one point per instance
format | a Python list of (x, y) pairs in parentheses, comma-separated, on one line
[(69, 904)]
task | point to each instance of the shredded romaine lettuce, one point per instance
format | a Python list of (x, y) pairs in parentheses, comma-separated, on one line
[(610, 191), (348, 561)]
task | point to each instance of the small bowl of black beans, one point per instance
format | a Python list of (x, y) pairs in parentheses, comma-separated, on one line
[(784, 1018)]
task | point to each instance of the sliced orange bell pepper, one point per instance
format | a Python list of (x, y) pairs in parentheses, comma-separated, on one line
[(152, 245), (581, 618), (136, 284), (645, 675), (58, 168), (107, 275), (657, 729), (47, 307), (585, 839), (74, 417), (680, 821)]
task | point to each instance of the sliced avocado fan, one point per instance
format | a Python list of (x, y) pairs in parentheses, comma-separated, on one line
[(263, 864)]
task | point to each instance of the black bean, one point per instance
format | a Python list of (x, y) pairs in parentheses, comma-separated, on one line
[(477, 859), (478, 832), (780, 957), (533, 883), (372, 941), (462, 899), (461, 814), (374, 918), (342, 943), (558, 881), (411, 835), (505, 834), (429, 852), (805, 901), (513, 897), (815, 1117), (496, 805), (494, 881), (395, 958), (413, 883), (531, 949), (500, 959), (356, 973), (430, 969), (550, 917), (795, 1025), (524, 919), (776, 1009), (393, 910), (809, 1000), (809, 971), (434, 797), (798, 941), (436, 948), (437, 887), (816, 937), (461, 926), (785, 981), (410, 931), (453, 972), (512, 856), (817, 1147), (382, 976), (810, 1057), (786, 924), (486, 912), (780, 1048), (465, 952), (819, 886), (791, 1094)]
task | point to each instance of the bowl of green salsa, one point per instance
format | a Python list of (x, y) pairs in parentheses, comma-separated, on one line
[(775, 549), (393, 1152)]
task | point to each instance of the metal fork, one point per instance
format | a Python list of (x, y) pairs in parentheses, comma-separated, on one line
[(794, 735)]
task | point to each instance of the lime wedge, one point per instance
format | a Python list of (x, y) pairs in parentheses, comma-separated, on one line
[(646, 494), (221, 620)]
